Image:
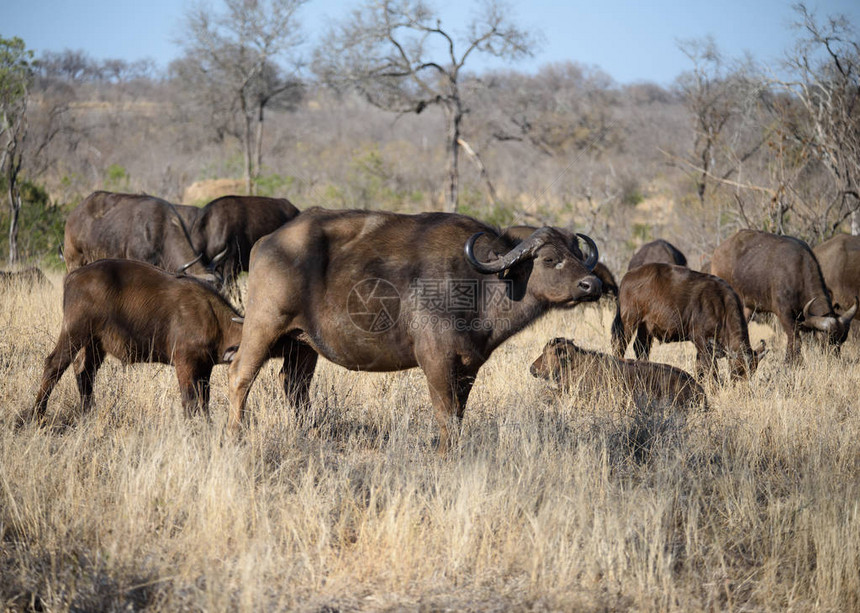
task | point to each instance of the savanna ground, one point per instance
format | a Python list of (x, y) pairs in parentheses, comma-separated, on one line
[(546, 503)]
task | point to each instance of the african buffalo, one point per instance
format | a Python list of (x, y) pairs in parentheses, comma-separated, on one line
[(25, 278), (228, 227), (780, 275), (135, 227), (673, 303), (839, 258), (657, 251), (139, 313), (645, 383), (380, 291)]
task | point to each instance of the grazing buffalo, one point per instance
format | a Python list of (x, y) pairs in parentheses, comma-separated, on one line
[(139, 313), (657, 251), (647, 384), (228, 227), (380, 291), (839, 258), (27, 278), (673, 303), (135, 227), (780, 275)]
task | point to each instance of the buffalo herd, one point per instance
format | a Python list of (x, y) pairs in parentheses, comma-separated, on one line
[(380, 291)]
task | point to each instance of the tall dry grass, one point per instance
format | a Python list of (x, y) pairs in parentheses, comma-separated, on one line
[(546, 503)]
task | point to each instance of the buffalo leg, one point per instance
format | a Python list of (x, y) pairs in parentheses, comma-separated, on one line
[(450, 385), (259, 336), (194, 387), (620, 335), (87, 366), (642, 342), (56, 364), (792, 334), (297, 372)]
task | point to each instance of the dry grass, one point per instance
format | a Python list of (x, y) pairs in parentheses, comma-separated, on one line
[(546, 503)]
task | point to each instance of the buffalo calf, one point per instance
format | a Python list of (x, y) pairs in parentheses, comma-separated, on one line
[(647, 384), (673, 303), (139, 313)]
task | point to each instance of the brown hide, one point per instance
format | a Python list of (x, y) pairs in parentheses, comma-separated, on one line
[(647, 384), (379, 291), (673, 303), (780, 275), (139, 313)]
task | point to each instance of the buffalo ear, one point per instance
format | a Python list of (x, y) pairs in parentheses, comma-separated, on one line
[(229, 354)]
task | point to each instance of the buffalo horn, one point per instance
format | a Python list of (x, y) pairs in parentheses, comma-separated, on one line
[(847, 316), (220, 255), (816, 322), (525, 248), (188, 265), (591, 261)]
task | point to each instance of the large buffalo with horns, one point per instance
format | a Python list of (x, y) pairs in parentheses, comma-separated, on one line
[(780, 275), (380, 291), (136, 227)]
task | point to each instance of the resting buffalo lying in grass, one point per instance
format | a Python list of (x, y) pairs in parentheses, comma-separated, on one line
[(647, 384)]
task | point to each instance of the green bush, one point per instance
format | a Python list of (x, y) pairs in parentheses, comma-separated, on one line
[(40, 226), (116, 178), (274, 185), (473, 203)]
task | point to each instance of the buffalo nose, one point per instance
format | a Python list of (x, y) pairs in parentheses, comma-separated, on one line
[(590, 285)]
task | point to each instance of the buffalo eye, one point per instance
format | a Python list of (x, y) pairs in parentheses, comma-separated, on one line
[(550, 261)]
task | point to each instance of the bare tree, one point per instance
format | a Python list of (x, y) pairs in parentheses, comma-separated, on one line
[(15, 77), (399, 57), (236, 54), (718, 96), (826, 67), (562, 110)]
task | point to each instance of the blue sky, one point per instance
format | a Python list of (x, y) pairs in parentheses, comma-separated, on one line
[(631, 41)]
